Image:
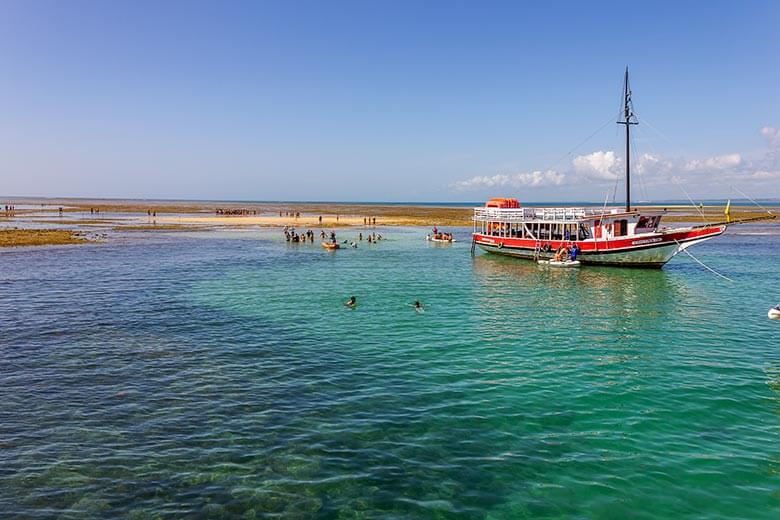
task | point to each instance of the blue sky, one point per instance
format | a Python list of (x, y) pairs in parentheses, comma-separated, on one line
[(385, 100)]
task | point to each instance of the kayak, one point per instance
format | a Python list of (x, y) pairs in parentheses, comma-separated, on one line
[(563, 263), (330, 246)]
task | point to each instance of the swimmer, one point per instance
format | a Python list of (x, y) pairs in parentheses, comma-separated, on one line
[(418, 306), (351, 303)]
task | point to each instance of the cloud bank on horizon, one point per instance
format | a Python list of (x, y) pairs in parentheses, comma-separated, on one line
[(653, 174)]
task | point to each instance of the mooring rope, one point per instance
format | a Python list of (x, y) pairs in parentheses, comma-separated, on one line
[(684, 250), (751, 199), (692, 203)]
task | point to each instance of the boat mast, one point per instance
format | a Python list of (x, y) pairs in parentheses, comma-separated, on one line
[(628, 119)]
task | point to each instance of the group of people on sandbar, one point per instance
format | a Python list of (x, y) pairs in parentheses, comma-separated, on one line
[(236, 212), (369, 221), (292, 236), (294, 214), (371, 237)]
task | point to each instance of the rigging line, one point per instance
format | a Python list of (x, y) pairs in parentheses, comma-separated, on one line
[(614, 188), (635, 158), (751, 199), (604, 209), (684, 250), (553, 165), (601, 222), (657, 131), (690, 199)]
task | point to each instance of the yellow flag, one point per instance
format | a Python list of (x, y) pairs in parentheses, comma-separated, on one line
[(728, 211)]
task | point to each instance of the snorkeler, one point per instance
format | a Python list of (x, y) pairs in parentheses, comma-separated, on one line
[(352, 302), (418, 306)]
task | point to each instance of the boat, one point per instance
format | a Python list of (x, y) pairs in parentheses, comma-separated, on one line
[(626, 236), (442, 238), (560, 263), (774, 313), (331, 246)]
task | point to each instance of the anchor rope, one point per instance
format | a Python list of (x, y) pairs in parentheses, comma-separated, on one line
[(751, 199), (699, 211), (680, 248)]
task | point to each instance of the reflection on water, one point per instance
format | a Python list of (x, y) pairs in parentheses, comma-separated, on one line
[(593, 300)]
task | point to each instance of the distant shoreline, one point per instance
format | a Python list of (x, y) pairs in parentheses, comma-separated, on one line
[(33, 220), (9, 199)]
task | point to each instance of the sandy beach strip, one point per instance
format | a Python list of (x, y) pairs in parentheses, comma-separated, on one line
[(266, 214)]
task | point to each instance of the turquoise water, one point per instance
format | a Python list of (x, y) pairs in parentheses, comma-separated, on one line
[(220, 376)]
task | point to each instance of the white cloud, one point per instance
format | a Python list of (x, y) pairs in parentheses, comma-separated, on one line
[(720, 162), (653, 164), (772, 136), (533, 179), (764, 175), (589, 173), (598, 165)]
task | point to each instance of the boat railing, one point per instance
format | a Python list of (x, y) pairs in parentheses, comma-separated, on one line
[(526, 214)]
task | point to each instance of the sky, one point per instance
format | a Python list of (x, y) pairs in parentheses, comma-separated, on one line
[(387, 100)]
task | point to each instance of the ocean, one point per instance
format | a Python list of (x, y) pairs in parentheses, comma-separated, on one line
[(218, 375)]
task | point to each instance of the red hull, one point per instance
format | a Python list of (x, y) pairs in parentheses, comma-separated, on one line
[(646, 250)]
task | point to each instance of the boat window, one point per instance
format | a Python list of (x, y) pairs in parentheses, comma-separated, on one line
[(648, 222), (570, 231), (621, 228), (584, 233)]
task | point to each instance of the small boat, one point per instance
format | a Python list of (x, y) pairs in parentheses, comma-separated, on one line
[(560, 263), (330, 246), (442, 238), (774, 313)]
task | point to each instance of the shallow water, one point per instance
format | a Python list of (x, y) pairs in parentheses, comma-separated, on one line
[(220, 375)]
